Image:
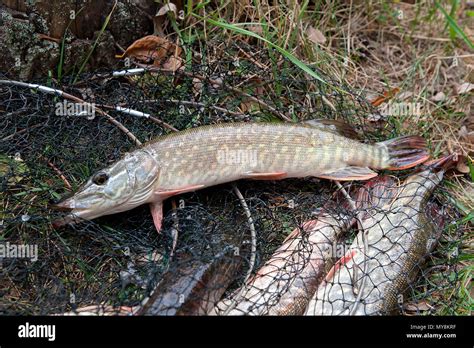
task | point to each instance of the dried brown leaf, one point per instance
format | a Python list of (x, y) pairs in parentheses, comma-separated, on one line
[(438, 97), (162, 52), (462, 167), (170, 7), (315, 36), (466, 87), (418, 307), (159, 19)]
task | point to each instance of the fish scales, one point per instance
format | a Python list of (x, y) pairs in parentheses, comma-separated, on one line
[(294, 151)]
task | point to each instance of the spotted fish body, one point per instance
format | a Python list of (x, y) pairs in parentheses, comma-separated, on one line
[(398, 236), (210, 155)]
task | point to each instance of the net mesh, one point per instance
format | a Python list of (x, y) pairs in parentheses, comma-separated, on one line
[(291, 256)]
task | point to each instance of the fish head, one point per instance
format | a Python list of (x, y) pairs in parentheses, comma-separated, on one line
[(122, 186)]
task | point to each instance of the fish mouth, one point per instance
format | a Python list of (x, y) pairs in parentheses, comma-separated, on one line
[(62, 206), (75, 213)]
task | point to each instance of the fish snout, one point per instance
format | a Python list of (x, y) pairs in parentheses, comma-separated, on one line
[(66, 204)]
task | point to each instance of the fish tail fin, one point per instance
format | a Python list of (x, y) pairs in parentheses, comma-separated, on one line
[(405, 152)]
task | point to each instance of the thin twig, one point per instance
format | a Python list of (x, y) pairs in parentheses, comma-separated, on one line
[(253, 250), (140, 114), (8, 137), (366, 246), (54, 91), (198, 104), (60, 174), (175, 228)]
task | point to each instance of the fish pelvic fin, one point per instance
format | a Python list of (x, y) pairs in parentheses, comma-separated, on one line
[(167, 193), (265, 176), (405, 152), (339, 264), (349, 173), (156, 209)]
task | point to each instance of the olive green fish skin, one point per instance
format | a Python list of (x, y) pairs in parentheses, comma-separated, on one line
[(209, 155), (398, 238)]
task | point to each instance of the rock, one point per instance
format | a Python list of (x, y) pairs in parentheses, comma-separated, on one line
[(24, 55)]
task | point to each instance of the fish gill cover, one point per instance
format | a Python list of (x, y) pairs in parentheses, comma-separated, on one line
[(297, 246)]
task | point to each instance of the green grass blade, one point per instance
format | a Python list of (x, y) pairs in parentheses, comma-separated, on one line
[(63, 45), (471, 169), (454, 26), (106, 23), (285, 53)]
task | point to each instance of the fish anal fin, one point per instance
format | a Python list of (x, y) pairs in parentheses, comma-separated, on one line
[(349, 173), (265, 176)]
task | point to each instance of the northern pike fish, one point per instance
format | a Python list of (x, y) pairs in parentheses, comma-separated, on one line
[(369, 279), (285, 284), (205, 156), (193, 289)]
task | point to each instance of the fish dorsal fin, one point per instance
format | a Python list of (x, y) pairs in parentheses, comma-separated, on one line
[(333, 126), (349, 173)]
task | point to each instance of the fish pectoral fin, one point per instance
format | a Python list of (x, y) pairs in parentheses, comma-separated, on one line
[(265, 176), (349, 173), (163, 194), (156, 209)]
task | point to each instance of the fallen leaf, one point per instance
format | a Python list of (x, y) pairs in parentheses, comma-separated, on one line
[(170, 7), (375, 117), (162, 52), (197, 86), (462, 167), (315, 36), (387, 95), (438, 97), (418, 307), (159, 19), (466, 134), (466, 87)]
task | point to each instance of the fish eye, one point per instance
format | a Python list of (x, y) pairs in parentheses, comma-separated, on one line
[(100, 178)]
